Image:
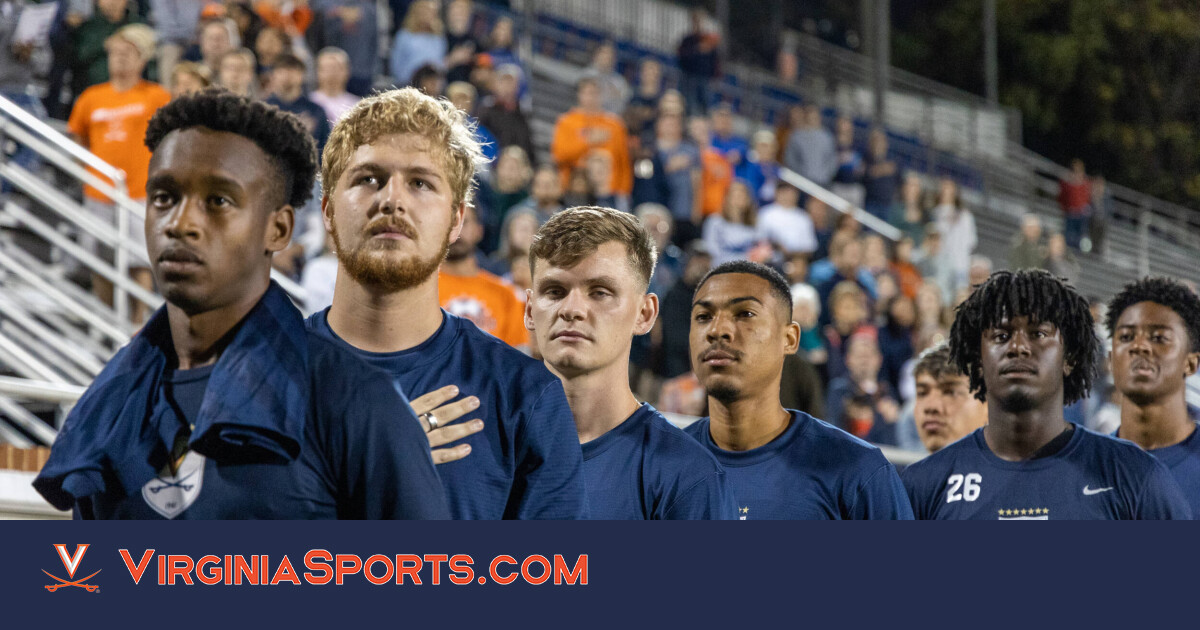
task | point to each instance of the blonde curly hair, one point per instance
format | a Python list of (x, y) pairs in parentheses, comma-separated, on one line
[(407, 110)]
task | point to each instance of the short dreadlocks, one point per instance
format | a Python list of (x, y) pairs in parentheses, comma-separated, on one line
[(1036, 294), (279, 134), (1171, 293)]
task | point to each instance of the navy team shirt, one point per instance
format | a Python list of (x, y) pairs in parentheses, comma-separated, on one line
[(285, 425), (812, 471), (1183, 460), (1092, 477), (647, 469), (526, 462)]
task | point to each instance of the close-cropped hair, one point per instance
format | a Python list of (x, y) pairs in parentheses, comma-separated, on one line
[(407, 110), (1041, 297), (935, 362), (244, 53), (288, 61), (843, 290), (1169, 292), (779, 285), (281, 135), (576, 233), (336, 53)]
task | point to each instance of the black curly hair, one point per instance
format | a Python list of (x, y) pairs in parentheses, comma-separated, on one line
[(1169, 292), (1036, 294), (279, 134)]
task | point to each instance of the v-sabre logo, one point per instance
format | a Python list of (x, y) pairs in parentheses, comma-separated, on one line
[(71, 564)]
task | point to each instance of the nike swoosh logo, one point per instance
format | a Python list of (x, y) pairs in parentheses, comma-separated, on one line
[(1087, 492)]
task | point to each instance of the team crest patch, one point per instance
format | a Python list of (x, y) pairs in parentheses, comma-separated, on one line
[(169, 494)]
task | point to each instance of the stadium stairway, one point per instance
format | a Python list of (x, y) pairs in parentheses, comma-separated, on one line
[(1147, 236)]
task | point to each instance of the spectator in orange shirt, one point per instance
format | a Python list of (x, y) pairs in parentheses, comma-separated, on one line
[(588, 127), (293, 18), (715, 172), (907, 274), (466, 290), (110, 120)]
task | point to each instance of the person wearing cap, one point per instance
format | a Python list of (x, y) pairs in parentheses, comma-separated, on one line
[(110, 120)]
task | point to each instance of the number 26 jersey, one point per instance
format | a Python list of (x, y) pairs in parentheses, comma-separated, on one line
[(1092, 477)]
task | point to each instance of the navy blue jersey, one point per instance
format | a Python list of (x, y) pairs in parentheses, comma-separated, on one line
[(284, 425), (1183, 460), (647, 469), (812, 471), (184, 391), (1093, 476), (526, 462)]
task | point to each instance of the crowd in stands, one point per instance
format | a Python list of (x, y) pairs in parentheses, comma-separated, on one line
[(704, 181)]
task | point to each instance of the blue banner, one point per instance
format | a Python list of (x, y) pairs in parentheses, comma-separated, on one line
[(616, 574)]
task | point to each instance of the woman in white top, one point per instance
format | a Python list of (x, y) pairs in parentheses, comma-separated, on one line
[(957, 227), (731, 235)]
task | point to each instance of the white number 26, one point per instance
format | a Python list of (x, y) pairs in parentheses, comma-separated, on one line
[(968, 484)]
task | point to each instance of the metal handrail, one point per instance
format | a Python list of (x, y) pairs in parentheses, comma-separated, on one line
[(868, 220), (29, 389), (77, 355), (57, 239), (67, 208), (62, 142), (46, 150), (27, 421), (110, 330), (9, 435), (24, 362), (47, 354), (120, 182)]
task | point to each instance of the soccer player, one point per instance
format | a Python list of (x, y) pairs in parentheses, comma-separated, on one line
[(591, 267), (782, 464), (945, 410), (224, 405), (397, 172), (1155, 329), (1026, 342)]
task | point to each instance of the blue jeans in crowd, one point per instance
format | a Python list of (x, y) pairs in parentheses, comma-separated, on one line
[(1074, 228), (25, 157)]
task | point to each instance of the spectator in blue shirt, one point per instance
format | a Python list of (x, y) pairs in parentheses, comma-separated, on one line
[(287, 93), (419, 41)]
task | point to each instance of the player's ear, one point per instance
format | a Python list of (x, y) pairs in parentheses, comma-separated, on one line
[(791, 338), (279, 228), (1192, 364), (1068, 367), (529, 310), (647, 313), (460, 214), (327, 213)]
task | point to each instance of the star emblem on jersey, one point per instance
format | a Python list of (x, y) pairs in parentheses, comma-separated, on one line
[(1089, 491), (743, 511), (171, 494), (1024, 514)]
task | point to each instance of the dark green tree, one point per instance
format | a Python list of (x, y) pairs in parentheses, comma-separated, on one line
[(1110, 81)]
